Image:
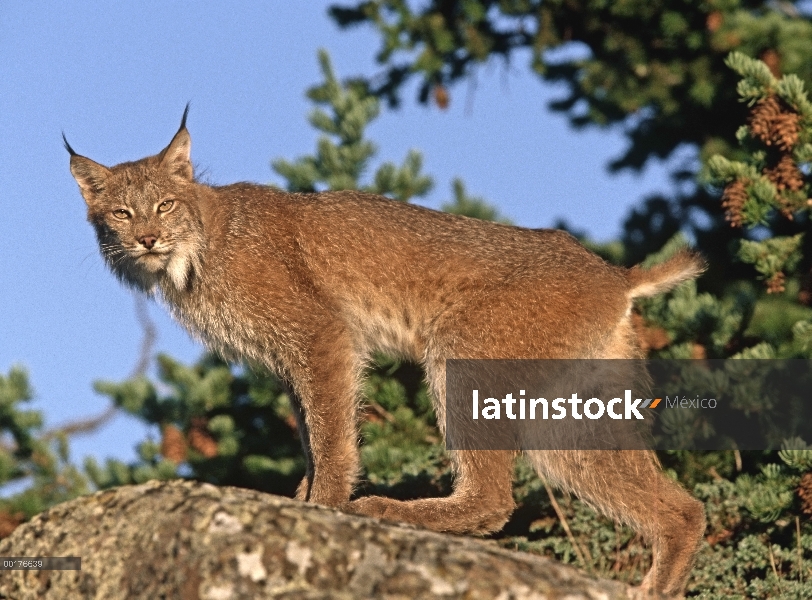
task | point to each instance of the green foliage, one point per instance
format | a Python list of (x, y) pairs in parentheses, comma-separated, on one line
[(756, 77), (660, 62), (757, 82), (30, 456), (471, 206), (339, 165), (217, 424), (14, 390), (773, 255), (402, 453), (796, 454), (782, 325), (773, 545)]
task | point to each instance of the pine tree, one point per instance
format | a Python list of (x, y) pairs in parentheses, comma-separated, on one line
[(339, 165), (30, 457), (769, 187)]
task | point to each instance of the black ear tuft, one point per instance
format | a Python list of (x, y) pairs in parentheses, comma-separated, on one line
[(183, 120), (73, 152), (175, 156)]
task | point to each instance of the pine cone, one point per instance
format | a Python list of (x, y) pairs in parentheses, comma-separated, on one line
[(173, 444), (786, 175), (775, 284), (733, 200), (773, 122), (714, 21), (772, 59), (761, 118), (785, 130), (200, 439), (805, 493), (441, 96)]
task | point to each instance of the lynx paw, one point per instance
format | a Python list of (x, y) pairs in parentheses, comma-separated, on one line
[(374, 506), (645, 592), (452, 515)]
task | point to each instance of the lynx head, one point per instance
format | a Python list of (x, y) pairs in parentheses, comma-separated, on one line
[(145, 214)]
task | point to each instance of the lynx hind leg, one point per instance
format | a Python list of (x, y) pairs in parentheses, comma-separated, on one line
[(630, 487), (482, 498)]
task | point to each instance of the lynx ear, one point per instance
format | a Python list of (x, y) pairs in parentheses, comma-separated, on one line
[(90, 175), (176, 157)]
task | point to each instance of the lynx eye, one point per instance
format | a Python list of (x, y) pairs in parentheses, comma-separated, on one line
[(166, 206), (120, 213)]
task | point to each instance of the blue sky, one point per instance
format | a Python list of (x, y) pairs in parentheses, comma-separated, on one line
[(116, 76)]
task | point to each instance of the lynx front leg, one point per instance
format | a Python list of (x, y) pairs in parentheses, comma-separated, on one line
[(303, 489), (325, 406)]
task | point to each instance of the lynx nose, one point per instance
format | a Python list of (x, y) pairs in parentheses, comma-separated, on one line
[(148, 241)]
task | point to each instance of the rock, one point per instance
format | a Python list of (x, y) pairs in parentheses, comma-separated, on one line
[(192, 541)]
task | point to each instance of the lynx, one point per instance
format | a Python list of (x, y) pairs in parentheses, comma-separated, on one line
[(310, 285)]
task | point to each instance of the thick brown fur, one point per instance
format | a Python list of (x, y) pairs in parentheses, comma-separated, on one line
[(310, 285)]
